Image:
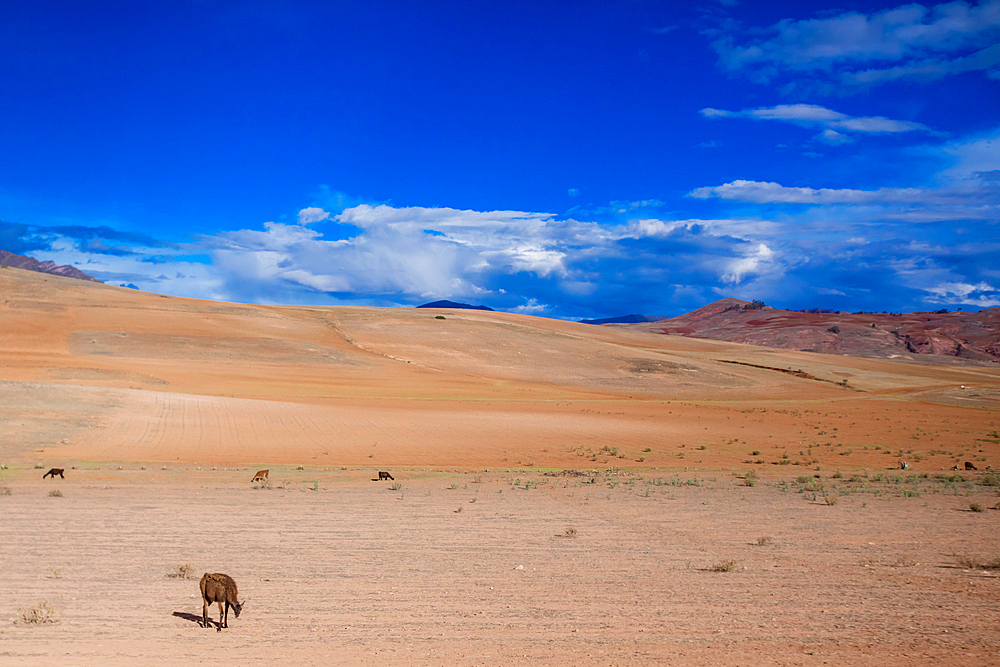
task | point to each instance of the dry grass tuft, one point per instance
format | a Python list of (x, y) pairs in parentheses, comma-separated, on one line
[(765, 541), (724, 566), (972, 562), (41, 613), (55, 493), (185, 571), (570, 531)]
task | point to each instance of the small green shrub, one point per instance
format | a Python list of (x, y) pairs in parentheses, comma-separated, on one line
[(989, 479)]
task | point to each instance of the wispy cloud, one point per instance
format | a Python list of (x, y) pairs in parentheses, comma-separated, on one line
[(854, 49), (833, 124), (759, 192)]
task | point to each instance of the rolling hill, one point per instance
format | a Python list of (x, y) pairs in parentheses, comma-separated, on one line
[(92, 372)]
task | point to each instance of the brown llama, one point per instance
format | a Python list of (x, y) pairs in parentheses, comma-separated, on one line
[(970, 466), (261, 476), (54, 472), (219, 588)]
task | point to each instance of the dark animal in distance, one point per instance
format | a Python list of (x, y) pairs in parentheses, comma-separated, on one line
[(969, 466), (383, 475), (261, 476), (222, 589), (54, 472)]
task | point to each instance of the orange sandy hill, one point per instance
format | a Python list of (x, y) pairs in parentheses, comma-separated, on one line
[(93, 372), (911, 336)]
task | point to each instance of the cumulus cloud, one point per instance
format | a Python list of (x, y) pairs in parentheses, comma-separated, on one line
[(849, 246), (312, 214), (754, 262), (855, 49)]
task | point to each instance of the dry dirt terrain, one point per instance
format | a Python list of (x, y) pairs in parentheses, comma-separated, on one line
[(563, 493)]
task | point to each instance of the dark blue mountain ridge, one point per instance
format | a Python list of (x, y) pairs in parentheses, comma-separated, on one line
[(452, 304), (624, 319)]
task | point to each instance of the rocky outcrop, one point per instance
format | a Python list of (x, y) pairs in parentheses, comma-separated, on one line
[(32, 264), (973, 336)]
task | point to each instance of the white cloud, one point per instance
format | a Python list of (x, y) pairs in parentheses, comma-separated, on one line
[(913, 203), (910, 41), (773, 193), (754, 262), (971, 159), (833, 123), (311, 215), (532, 307)]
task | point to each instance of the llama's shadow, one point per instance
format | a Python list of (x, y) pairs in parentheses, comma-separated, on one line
[(189, 617)]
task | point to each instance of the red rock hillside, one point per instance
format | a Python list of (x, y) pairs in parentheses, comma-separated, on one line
[(969, 336)]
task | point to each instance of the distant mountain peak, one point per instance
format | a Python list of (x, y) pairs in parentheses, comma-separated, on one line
[(622, 319), (47, 266), (444, 303)]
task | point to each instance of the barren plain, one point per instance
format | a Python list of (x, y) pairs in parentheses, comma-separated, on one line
[(563, 493)]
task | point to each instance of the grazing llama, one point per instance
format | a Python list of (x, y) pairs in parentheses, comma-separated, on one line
[(261, 476), (219, 588), (54, 472)]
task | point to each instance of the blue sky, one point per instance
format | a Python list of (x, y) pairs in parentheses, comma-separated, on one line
[(563, 159)]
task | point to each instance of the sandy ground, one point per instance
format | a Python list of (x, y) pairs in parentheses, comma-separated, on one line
[(161, 410), (477, 569)]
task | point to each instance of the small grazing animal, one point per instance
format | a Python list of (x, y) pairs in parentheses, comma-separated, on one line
[(969, 466), (903, 465), (261, 476), (54, 472), (219, 588), (383, 475)]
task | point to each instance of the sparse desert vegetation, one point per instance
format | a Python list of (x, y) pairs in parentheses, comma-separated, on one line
[(37, 614), (182, 571)]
